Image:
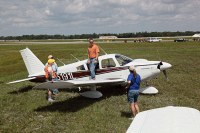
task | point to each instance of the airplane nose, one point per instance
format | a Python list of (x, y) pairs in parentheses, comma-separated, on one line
[(165, 66)]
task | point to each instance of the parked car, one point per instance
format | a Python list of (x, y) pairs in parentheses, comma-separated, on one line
[(180, 40)]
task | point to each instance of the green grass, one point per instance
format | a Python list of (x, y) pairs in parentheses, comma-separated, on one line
[(25, 110)]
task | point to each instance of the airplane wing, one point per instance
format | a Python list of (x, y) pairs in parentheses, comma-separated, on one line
[(21, 80), (77, 83)]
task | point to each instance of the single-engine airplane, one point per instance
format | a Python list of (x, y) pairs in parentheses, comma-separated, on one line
[(112, 69)]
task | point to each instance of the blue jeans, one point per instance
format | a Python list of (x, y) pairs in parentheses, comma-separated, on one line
[(55, 91), (92, 66)]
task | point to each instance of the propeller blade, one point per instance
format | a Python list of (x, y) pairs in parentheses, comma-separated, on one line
[(165, 73), (159, 64)]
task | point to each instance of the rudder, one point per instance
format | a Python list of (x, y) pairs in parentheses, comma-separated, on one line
[(33, 64)]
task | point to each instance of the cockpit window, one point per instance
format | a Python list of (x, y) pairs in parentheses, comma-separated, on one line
[(81, 67), (108, 63), (123, 60)]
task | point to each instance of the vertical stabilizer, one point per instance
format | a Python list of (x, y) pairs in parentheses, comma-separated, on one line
[(33, 64)]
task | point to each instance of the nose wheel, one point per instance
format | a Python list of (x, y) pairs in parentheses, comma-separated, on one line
[(148, 90)]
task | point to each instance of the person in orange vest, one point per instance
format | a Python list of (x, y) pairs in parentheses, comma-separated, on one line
[(51, 75), (54, 65), (50, 71)]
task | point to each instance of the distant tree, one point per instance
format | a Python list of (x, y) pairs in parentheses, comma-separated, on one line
[(94, 35)]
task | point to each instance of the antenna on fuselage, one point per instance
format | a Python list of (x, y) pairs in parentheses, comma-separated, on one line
[(75, 57), (60, 61), (158, 54), (103, 50)]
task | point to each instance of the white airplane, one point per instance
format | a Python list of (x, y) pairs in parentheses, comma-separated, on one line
[(112, 69), (170, 119)]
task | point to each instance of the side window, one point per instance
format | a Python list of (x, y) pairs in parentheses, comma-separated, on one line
[(108, 63), (120, 61), (123, 60), (81, 67)]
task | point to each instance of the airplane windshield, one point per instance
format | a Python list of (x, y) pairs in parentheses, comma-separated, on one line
[(123, 60)]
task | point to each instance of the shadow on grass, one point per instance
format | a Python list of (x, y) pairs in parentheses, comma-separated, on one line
[(126, 114), (109, 91), (77, 103), (22, 90), (69, 105)]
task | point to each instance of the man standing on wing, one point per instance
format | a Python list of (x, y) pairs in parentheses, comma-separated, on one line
[(93, 54)]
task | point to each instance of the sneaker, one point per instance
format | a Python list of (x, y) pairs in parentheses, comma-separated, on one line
[(50, 100)]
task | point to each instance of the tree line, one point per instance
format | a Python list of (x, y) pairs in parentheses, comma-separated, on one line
[(94, 35)]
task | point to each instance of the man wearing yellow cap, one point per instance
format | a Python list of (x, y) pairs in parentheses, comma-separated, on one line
[(51, 75)]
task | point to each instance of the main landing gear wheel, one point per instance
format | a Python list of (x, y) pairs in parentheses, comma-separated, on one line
[(93, 93), (148, 90)]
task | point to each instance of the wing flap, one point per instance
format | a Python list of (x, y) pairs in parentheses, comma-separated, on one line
[(97, 82), (76, 83)]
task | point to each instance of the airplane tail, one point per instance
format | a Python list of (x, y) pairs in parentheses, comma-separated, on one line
[(33, 64)]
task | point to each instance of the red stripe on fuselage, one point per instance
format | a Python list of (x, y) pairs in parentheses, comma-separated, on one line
[(80, 74)]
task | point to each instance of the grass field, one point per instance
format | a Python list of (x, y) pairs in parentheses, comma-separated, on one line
[(25, 110)]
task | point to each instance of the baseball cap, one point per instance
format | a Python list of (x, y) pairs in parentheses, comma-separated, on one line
[(50, 61), (50, 56), (131, 68)]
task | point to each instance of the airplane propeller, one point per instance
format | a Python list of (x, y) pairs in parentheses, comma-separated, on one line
[(159, 67), (164, 71), (159, 64)]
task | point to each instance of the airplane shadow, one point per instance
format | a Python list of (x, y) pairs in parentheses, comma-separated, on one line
[(80, 102), (22, 90), (69, 105), (109, 91)]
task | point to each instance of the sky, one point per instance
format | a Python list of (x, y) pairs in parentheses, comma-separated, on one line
[(69, 17)]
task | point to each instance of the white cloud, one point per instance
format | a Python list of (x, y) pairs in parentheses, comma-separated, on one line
[(99, 16)]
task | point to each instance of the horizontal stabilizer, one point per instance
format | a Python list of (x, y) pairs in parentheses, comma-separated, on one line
[(21, 80)]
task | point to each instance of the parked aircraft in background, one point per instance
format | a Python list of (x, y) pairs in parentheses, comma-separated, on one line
[(153, 39), (181, 40), (112, 69)]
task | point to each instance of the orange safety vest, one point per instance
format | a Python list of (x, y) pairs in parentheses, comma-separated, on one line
[(49, 73)]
